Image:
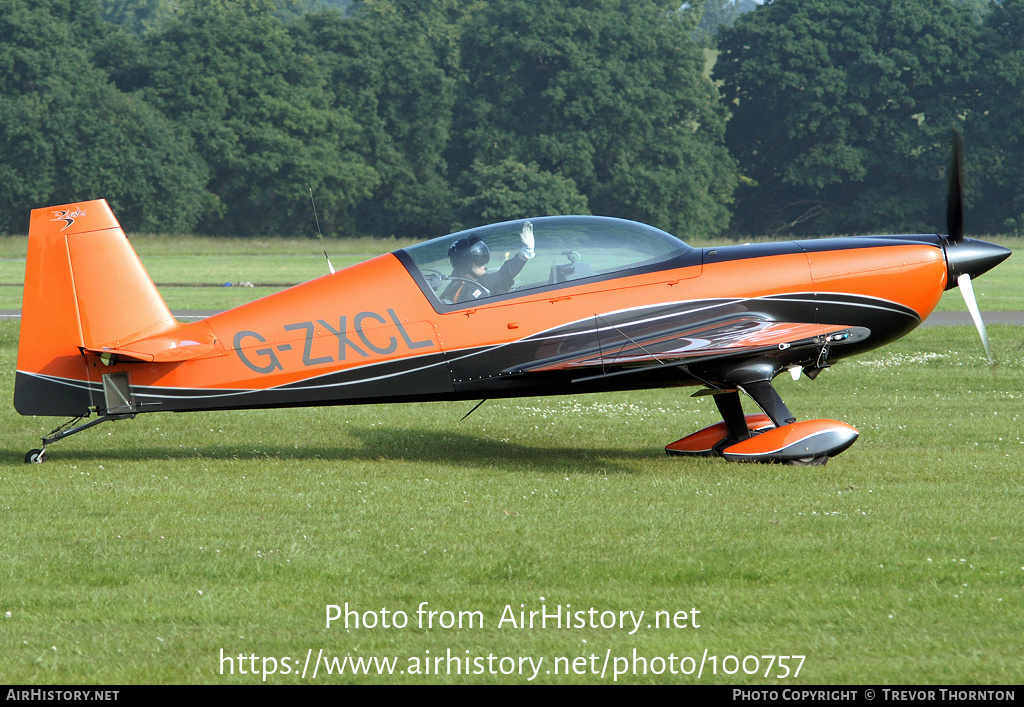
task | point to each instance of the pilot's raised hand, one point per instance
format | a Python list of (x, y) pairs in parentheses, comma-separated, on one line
[(526, 236)]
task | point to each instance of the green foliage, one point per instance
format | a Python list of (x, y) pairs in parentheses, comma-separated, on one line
[(609, 94), (716, 14), (139, 15), (412, 117), (230, 74), (67, 134), (511, 190), (95, 142), (294, 9), (842, 110), (394, 65), (996, 153), (235, 110), (30, 34)]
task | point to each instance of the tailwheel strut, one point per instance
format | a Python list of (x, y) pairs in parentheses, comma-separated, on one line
[(74, 426)]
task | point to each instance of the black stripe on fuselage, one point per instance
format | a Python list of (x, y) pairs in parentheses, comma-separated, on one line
[(746, 251)]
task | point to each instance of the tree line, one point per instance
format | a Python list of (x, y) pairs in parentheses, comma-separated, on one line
[(417, 117), (842, 111)]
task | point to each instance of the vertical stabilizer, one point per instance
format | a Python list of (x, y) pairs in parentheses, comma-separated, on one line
[(85, 287)]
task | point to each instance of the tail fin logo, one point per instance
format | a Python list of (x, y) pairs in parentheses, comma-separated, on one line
[(68, 217)]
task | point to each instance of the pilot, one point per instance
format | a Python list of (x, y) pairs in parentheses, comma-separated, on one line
[(469, 257)]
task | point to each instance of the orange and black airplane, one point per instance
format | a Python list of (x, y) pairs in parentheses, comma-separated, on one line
[(579, 304)]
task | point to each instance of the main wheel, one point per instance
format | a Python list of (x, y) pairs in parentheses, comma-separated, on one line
[(810, 461), (35, 456)]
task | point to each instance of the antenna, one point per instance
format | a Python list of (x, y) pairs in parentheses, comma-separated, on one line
[(474, 409), (317, 219)]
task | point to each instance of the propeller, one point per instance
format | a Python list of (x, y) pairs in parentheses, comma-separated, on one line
[(964, 256), (955, 195), (967, 290)]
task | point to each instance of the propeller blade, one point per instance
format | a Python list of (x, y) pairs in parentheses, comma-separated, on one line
[(967, 290), (955, 196)]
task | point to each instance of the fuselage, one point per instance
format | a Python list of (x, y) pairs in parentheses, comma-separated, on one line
[(370, 333)]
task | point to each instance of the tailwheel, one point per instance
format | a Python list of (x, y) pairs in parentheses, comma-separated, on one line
[(38, 456)]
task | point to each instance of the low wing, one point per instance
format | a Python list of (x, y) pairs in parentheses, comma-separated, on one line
[(643, 344)]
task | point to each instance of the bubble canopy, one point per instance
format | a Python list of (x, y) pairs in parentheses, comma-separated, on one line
[(568, 249)]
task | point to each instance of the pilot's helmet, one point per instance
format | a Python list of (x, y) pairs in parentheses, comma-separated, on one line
[(468, 252)]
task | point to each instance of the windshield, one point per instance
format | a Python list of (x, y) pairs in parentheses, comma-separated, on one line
[(567, 248)]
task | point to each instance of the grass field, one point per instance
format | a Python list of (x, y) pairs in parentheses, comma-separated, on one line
[(163, 549)]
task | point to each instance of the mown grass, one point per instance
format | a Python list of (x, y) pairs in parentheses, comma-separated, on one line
[(143, 548)]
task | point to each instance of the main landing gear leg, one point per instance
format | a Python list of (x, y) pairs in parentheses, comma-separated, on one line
[(38, 456), (769, 400), (731, 409)]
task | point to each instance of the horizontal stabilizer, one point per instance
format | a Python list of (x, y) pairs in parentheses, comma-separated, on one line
[(158, 349)]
